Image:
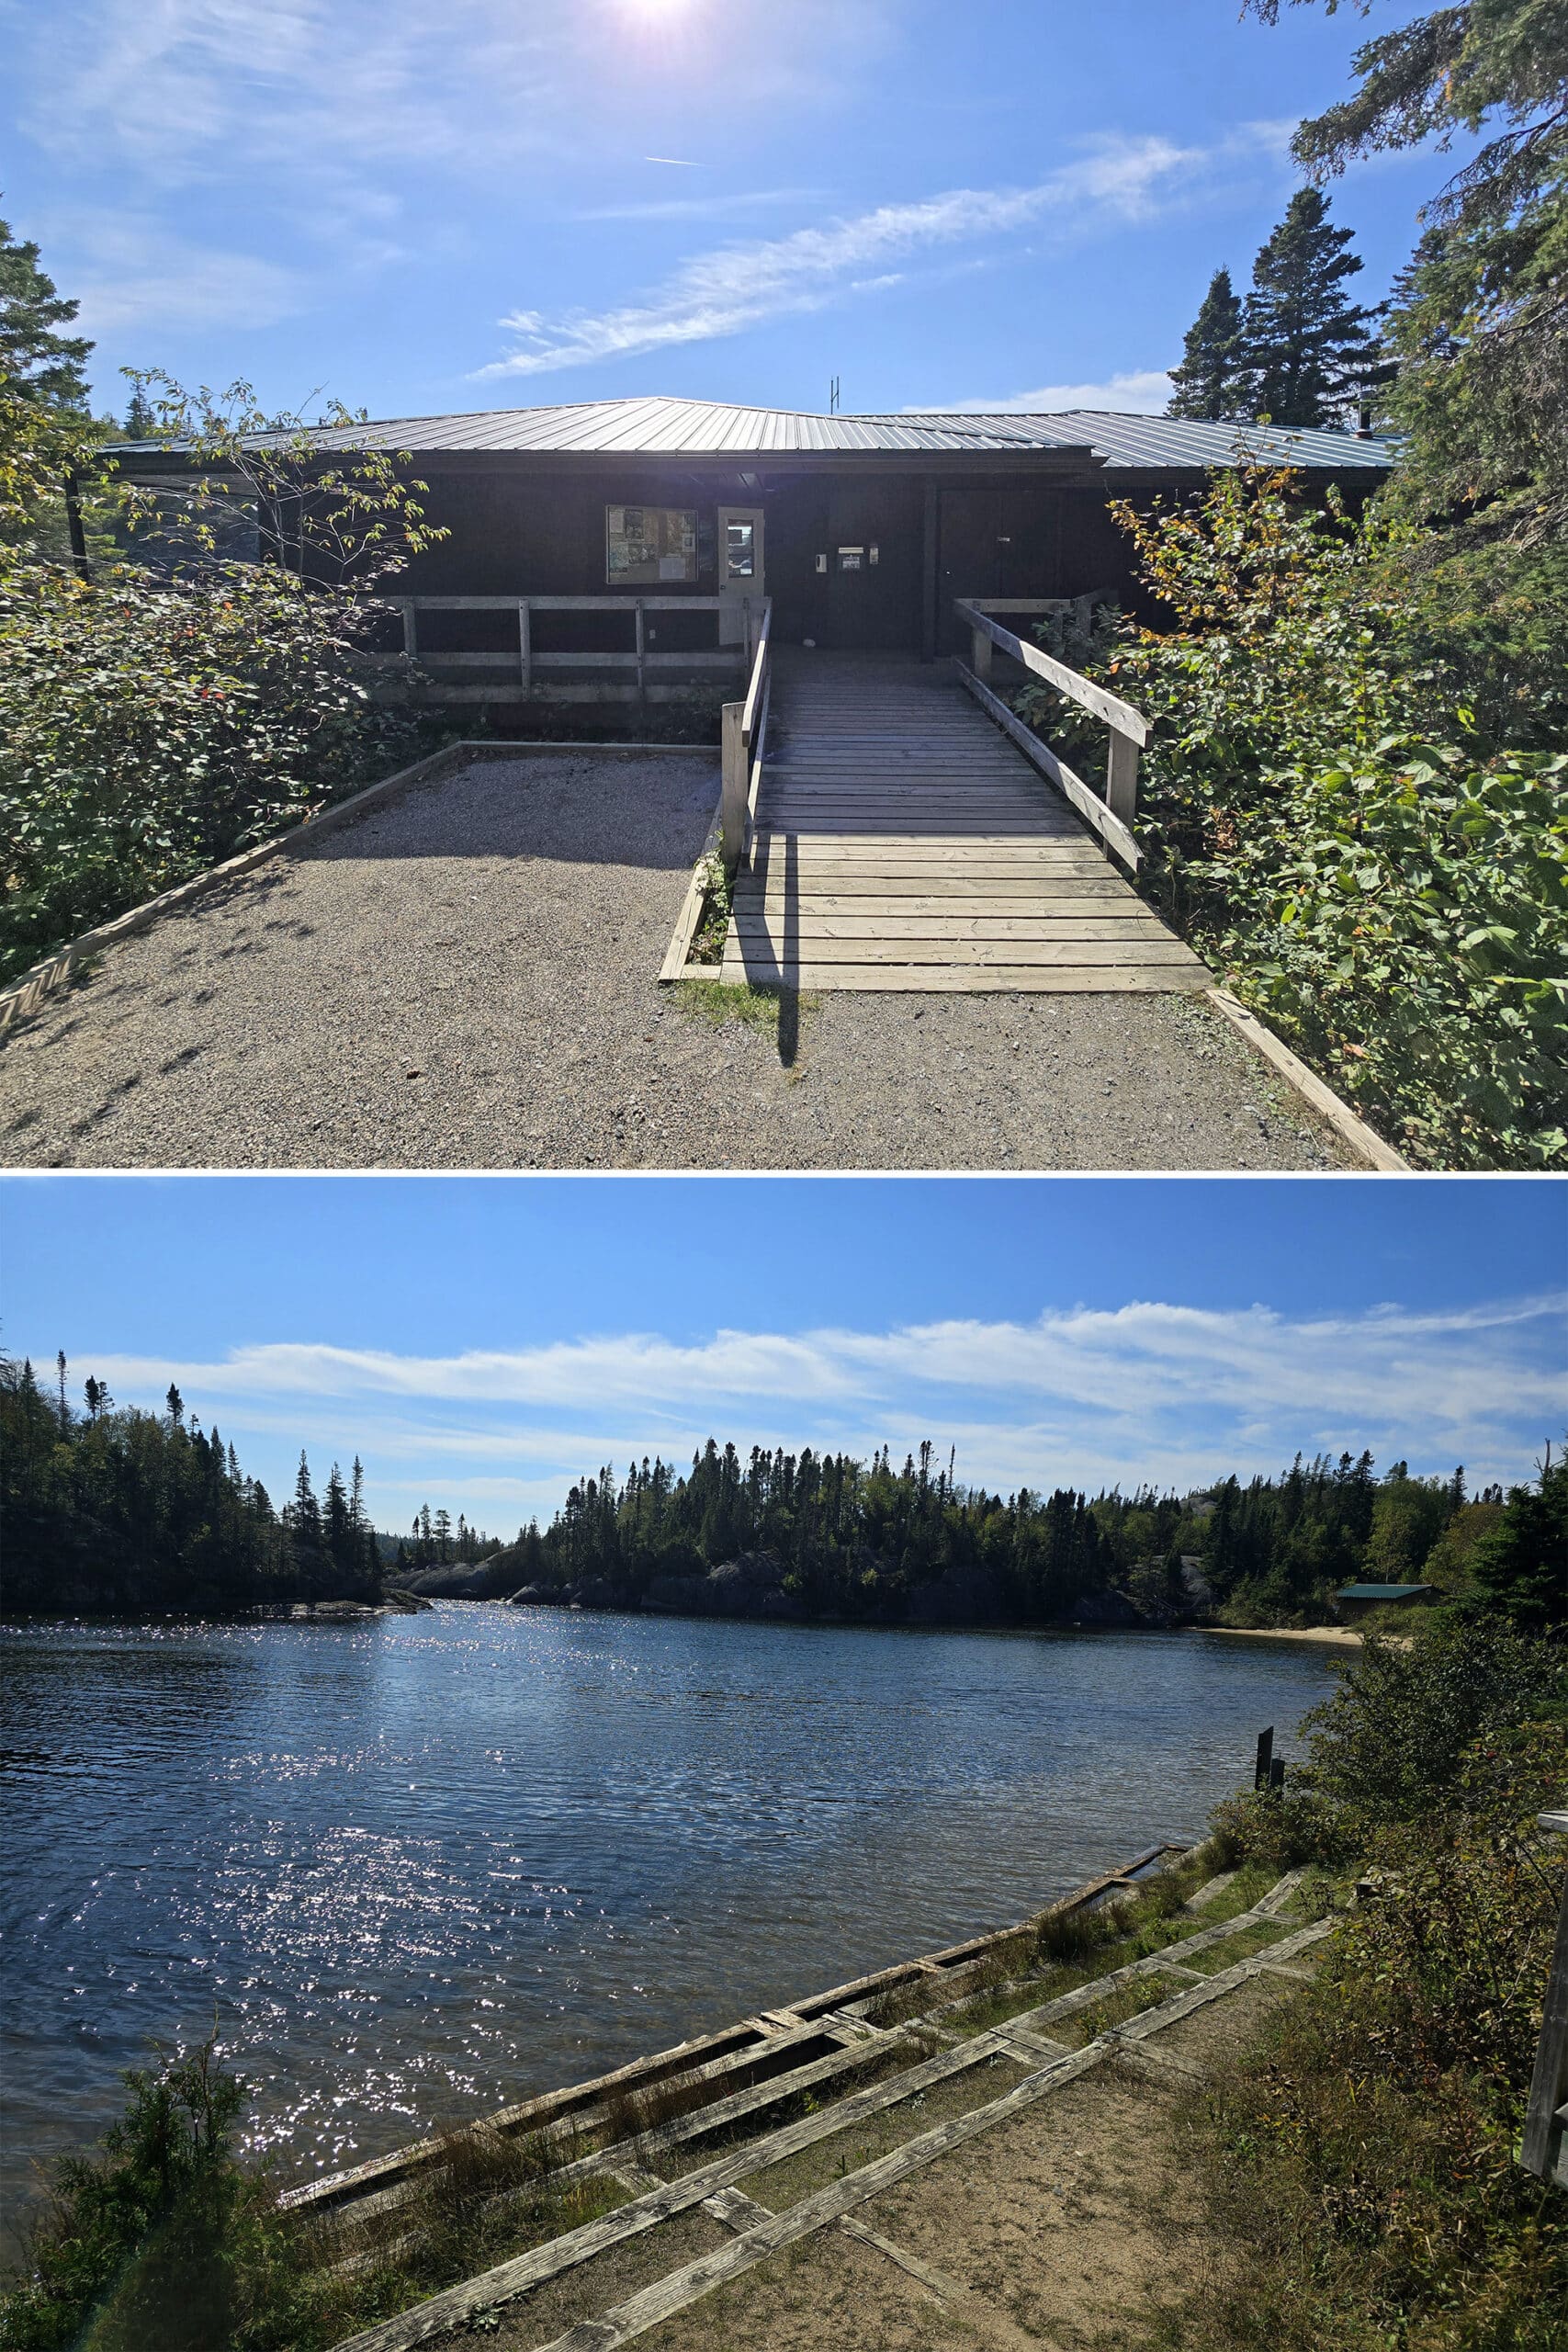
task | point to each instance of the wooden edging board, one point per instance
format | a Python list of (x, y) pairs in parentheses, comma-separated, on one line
[(683, 2057), (1368, 1146), (25, 995)]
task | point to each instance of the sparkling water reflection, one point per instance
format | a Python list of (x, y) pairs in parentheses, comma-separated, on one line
[(421, 1866)]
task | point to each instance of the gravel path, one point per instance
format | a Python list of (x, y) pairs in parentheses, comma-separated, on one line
[(466, 979)]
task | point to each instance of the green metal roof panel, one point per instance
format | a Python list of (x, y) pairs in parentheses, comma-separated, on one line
[(665, 427), (1380, 1592)]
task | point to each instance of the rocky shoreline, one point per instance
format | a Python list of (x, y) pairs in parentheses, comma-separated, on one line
[(755, 1587)]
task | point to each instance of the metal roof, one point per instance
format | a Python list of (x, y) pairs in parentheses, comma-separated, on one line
[(662, 427), (1380, 1592)]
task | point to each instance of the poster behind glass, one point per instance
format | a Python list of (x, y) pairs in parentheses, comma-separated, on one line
[(651, 545)]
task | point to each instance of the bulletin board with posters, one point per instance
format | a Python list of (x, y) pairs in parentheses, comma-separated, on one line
[(651, 547)]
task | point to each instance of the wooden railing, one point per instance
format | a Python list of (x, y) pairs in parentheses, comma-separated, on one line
[(1544, 2147), (1112, 817), (636, 659), (745, 744)]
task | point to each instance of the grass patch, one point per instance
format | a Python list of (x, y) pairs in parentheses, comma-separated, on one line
[(715, 1003), (705, 2148), (784, 2184), (1242, 1945), (1114, 2008), (1062, 1950)]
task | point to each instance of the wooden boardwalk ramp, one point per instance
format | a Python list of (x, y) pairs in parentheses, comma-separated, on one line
[(901, 840)]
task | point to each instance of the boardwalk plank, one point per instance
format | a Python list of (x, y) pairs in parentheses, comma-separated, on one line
[(902, 841)]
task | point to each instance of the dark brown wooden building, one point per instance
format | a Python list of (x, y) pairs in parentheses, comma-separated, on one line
[(863, 530)]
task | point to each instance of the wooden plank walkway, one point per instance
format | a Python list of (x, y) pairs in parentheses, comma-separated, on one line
[(902, 841), (665, 2187)]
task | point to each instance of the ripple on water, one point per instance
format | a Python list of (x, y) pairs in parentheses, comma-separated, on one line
[(425, 1865)]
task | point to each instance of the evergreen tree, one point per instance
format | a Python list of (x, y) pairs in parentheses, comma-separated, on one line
[(1211, 383), (141, 417), (1306, 348), (36, 363), (304, 1514), (1520, 1565), (336, 1532), (1478, 322)]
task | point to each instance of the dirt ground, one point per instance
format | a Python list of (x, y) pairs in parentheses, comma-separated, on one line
[(1066, 2228)]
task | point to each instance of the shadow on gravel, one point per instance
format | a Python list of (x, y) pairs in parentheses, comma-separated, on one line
[(490, 810)]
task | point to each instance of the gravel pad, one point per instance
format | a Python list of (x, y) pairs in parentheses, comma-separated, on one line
[(466, 978)]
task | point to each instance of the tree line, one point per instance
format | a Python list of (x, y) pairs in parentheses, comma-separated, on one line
[(110, 1509), (855, 1539)]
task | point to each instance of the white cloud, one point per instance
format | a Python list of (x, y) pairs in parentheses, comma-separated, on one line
[(1142, 392), (139, 276), (1151, 1389), (182, 90), (738, 286)]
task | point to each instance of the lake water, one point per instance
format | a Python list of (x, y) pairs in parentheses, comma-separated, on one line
[(423, 1866)]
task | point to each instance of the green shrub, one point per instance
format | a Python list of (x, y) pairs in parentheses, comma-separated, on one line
[(184, 703), (154, 727), (1401, 916), (1278, 1829), (1392, 1741), (132, 2238), (1328, 811), (1358, 2158)]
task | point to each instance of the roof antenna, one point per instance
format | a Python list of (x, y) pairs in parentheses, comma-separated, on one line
[(833, 398)]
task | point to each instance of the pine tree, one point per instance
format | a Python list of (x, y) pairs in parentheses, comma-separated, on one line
[(1210, 384), (37, 364), (306, 1514), (141, 417), (1306, 350), (335, 1529)]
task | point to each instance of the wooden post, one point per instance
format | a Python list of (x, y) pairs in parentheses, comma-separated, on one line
[(411, 632), (1276, 1775), (1265, 1756), (1544, 2150), (735, 788), (980, 651), (74, 524), (1122, 777), (524, 647), (641, 652), (928, 571)]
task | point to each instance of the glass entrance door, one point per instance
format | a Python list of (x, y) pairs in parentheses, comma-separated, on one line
[(741, 569)]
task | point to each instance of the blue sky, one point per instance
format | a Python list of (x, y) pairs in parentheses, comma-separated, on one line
[(497, 202), (482, 1342)]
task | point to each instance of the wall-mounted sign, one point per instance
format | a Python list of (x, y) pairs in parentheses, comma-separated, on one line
[(850, 559), (646, 545)]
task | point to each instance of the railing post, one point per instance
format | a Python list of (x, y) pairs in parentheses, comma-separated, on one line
[(1544, 2147), (525, 647), (735, 788), (641, 652), (980, 653), (1122, 777), (411, 632)]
